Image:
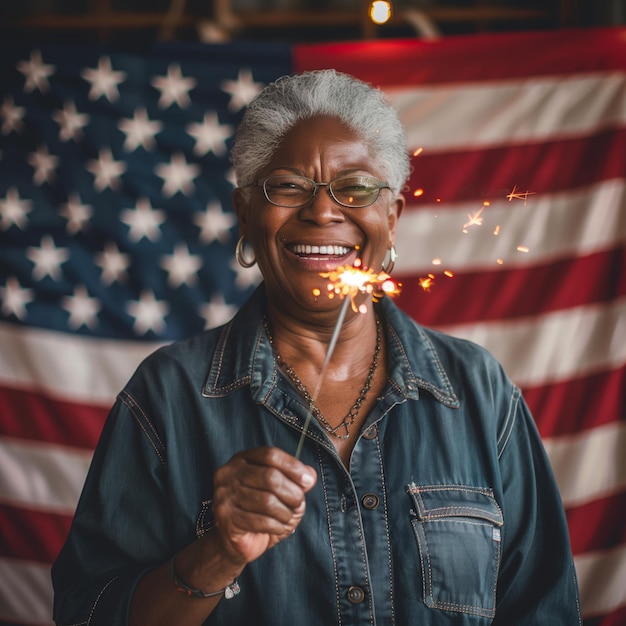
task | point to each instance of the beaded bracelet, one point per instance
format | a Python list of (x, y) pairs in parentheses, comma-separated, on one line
[(229, 591)]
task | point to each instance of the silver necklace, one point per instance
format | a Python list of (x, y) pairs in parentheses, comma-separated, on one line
[(342, 430)]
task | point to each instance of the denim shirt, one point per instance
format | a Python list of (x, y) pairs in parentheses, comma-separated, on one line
[(447, 515)]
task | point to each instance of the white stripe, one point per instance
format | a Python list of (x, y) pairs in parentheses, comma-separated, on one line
[(25, 592), (71, 367), (602, 581), (554, 346), (462, 115), (590, 464), (42, 476), (551, 226)]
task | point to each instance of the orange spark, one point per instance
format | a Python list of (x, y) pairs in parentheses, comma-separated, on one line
[(418, 152), (522, 249), (520, 196), (474, 219), (449, 274), (427, 282), (418, 192), (496, 230)]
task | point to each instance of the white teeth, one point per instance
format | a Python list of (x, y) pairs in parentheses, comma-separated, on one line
[(324, 250)]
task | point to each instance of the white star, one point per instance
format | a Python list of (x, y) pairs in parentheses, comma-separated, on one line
[(15, 298), (71, 122), (44, 164), (140, 131), (174, 87), (113, 264), (217, 312), (214, 223), (242, 91), (36, 72), (13, 210), (177, 175), (149, 313), (246, 277), (182, 266), (143, 221), (104, 80), (47, 259), (76, 214), (106, 170), (82, 308), (210, 136), (12, 116)]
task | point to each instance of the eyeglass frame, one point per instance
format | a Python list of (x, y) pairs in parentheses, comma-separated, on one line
[(261, 182)]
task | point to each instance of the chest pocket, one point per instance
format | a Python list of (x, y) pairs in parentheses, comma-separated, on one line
[(458, 536)]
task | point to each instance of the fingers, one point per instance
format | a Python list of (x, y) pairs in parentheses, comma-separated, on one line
[(262, 491)]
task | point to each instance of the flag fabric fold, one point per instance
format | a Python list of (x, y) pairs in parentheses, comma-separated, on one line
[(117, 235)]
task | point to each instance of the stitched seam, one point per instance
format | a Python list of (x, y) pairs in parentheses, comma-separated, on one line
[(330, 535), (95, 604), (201, 526), (131, 404), (510, 421), (387, 533), (427, 580)]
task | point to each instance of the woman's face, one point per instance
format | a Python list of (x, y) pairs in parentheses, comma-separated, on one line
[(288, 241)]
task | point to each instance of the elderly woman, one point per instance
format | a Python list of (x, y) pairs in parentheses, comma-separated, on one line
[(423, 494)]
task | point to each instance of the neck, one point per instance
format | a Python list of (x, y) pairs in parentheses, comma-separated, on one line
[(307, 340)]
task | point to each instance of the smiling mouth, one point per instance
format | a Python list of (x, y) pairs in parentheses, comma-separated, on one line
[(320, 251)]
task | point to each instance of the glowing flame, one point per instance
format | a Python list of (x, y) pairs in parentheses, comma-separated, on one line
[(350, 281)]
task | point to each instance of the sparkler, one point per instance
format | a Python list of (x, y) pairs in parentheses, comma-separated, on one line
[(347, 282)]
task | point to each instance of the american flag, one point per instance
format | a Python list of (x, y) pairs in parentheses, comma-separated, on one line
[(117, 235)]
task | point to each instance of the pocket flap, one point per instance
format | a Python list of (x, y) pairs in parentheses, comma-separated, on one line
[(437, 501)]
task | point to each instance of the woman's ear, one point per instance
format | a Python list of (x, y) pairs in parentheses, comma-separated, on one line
[(395, 210), (242, 208)]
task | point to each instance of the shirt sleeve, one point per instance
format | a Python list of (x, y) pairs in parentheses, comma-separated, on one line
[(537, 581), (116, 536)]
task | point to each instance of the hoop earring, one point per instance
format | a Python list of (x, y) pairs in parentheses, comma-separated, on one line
[(393, 255), (241, 259)]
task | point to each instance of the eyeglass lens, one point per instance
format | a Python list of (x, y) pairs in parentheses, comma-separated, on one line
[(296, 191)]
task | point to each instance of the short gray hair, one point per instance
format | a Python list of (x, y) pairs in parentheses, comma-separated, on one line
[(290, 99)]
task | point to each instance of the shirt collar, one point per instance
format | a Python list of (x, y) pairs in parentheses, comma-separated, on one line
[(243, 355)]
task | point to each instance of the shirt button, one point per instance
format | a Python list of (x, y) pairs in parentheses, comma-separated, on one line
[(370, 501), (371, 432), (355, 594)]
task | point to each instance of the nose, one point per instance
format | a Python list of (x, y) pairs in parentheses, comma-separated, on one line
[(323, 208)]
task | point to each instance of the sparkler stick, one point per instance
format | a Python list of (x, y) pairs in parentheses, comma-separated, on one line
[(347, 282), (318, 387)]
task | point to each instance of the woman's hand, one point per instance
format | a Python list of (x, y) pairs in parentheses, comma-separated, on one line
[(259, 500)]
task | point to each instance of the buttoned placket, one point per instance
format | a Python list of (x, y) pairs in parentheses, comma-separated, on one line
[(355, 503)]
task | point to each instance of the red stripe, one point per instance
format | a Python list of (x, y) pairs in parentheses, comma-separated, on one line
[(616, 618), (34, 416), (513, 293), (32, 535), (598, 525), (576, 405), (487, 57), (542, 167)]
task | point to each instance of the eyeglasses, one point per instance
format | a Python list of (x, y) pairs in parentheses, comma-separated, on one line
[(289, 190)]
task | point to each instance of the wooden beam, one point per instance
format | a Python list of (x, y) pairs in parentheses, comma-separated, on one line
[(120, 20)]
